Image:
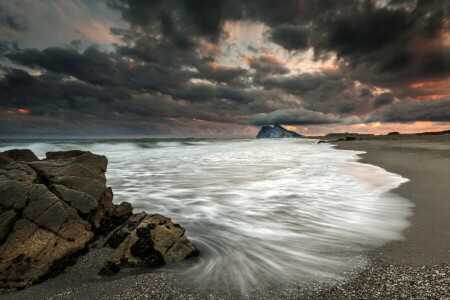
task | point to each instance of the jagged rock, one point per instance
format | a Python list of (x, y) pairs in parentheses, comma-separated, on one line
[(52, 209), (147, 241), (276, 132), (49, 210)]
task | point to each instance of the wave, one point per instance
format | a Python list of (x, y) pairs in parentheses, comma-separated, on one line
[(258, 210), (266, 210), (95, 146)]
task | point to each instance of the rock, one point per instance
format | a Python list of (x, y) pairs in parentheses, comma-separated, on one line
[(22, 155), (64, 154), (122, 210), (6, 221), (147, 241), (45, 215), (276, 132), (393, 133), (51, 210)]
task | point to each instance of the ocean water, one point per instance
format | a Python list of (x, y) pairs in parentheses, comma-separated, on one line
[(278, 210)]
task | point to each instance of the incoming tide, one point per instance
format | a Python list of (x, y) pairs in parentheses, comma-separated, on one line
[(277, 210)]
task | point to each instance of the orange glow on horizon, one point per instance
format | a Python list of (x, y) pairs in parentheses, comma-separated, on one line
[(378, 128), (292, 128), (430, 83), (429, 96), (432, 89), (18, 111)]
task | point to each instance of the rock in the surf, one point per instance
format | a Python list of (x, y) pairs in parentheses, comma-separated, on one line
[(147, 241), (51, 209)]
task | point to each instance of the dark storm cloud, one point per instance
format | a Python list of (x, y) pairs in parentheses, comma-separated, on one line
[(391, 45), (50, 92), (211, 71), (296, 84), (92, 66), (167, 69), (434, 110), (267, 64), (298, 116), (327, 92), (65, 105), (361, 30), (291, 38), (176, 19), (383, 99)]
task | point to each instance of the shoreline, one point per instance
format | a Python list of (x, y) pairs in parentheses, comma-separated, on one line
[(427, 240), (417, 267)]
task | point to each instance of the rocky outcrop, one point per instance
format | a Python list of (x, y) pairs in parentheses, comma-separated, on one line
[(276, 132), (346, 139), (146, 241), (52, 209)]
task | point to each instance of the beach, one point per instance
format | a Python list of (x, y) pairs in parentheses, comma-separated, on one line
[(425, 161), (418, 266), (415, 267)]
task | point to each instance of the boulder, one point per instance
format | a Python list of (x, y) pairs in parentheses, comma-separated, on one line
[(147, 241), (51, 210), (21, 155)]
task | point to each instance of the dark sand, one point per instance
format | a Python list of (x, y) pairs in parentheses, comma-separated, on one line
[(416, 268), (419, 266), (425, 161)]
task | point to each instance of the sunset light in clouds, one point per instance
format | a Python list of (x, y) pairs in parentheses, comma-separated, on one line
[(223, 68)]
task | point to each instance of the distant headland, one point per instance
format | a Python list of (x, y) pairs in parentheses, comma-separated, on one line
[(277, 131)]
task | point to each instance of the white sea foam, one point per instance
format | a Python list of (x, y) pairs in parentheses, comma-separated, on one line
[(266, 209), (277, 210)]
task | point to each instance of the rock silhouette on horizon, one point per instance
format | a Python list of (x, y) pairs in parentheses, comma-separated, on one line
[(52, 210), (277, 131)]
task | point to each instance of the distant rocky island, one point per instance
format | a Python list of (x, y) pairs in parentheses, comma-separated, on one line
[(277, 131)]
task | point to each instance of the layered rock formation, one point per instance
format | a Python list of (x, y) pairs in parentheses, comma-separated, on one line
[(52, 209), (276, 132)]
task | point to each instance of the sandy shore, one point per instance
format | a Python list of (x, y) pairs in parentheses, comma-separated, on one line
[(415, 268), (419, 266), (425, 161)]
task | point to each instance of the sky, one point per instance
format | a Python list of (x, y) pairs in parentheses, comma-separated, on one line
[(222, 68)]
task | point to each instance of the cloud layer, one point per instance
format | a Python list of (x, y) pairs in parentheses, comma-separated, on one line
[(178, 68)]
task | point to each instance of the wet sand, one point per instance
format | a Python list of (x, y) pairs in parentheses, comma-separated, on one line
[(425, 161), (415, 268)]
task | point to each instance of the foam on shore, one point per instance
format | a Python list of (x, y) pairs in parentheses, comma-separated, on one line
[(284, 210)]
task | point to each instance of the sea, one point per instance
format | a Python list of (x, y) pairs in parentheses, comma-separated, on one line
[(258, 210)]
